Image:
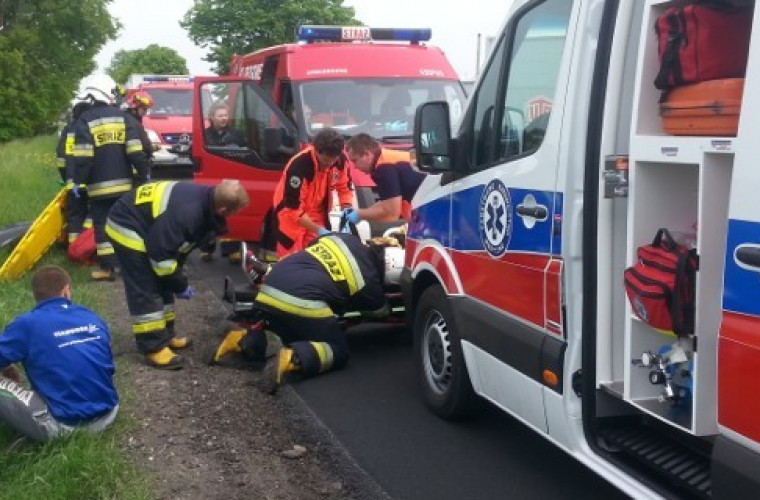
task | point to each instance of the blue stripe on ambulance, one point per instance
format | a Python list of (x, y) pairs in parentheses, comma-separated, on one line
[(741, 290)]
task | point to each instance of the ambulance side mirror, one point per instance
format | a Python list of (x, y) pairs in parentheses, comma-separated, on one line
[(432, 137)]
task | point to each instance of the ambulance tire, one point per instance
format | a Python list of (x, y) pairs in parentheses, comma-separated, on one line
[(447, 390)]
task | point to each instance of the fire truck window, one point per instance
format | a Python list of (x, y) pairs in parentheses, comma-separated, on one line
[(534, 63)]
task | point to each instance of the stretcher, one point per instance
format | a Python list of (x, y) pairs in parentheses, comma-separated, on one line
[(44, 231)]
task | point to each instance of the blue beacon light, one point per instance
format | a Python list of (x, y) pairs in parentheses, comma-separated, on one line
[(359, 33)]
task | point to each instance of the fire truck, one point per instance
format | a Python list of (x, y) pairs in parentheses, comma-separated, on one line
[(169, 122), (352, 79), (562, 172)]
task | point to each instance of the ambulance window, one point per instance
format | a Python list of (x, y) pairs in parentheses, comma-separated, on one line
[(485, 100), (539, 39)]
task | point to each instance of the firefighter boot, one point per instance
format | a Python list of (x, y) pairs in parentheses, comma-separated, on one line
[(103, 275), (180, 342), (235, 257), (274, 372), (230, 344), (165, 359)]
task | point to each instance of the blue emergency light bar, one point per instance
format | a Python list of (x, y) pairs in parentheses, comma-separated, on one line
[(362, 33)]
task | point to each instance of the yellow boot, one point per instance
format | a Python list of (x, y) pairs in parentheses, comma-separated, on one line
[(165, 359), (103, 275), (274, 372), (180, 342), (230, 344)]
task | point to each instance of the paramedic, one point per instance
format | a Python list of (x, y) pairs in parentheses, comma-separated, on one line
[(303, 197), (391, 171), (107, 145), (300, 298), (66, 353), (153, 229)]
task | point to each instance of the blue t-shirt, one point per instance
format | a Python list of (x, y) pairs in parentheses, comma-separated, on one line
[(66, 352), (396, 179)]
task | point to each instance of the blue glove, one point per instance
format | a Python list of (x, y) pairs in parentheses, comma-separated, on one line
[(351, 215), (75, 190), (322, 231), (189, 293)]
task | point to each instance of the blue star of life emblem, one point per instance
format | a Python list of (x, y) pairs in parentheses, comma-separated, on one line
[(495, 218)]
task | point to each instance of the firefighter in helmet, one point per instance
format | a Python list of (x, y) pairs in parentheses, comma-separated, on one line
[(138, 105), (106, 147)]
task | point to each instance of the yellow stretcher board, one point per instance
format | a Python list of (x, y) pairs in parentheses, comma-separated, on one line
[(47, 228)]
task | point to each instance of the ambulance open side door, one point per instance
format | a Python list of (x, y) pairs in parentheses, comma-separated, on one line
[(505, 212), (239, 133)]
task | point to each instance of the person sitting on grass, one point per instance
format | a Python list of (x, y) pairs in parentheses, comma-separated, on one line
[(65, 350)]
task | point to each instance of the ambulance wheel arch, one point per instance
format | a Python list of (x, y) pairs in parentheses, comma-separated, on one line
[(447, 390)]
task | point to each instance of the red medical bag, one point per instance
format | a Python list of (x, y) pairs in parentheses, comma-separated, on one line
[(83, 249), (702, 40), (661, 286)]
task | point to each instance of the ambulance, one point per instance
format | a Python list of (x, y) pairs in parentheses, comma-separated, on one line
[(564, 168), (352, 79)]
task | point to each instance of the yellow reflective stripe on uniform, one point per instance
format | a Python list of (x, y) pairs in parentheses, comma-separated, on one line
[(169, 314), (157, 194), (109, 187), (287, 303), (124, 237), (69, 144), (108, 130), (148, 323), (165, 267), (83, 151), (134, 145), (104, 249), (338, 261), (325, 355)]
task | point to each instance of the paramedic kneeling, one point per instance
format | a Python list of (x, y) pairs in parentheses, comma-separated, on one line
[(66, 353), (392, 172)]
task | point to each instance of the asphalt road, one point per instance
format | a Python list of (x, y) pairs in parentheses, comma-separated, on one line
[(374, 409)]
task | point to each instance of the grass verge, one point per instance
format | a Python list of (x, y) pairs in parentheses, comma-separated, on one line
[(81, 465)]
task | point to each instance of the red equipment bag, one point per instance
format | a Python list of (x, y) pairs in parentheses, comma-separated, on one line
[(705, 108), (702, 40), (83, 249), (661, 286)]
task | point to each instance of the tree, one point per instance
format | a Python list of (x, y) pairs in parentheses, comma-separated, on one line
[(153, 59), (46, 48), (230, 27)]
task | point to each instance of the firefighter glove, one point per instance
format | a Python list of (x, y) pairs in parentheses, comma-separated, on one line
[(189, 293), (351, 215)]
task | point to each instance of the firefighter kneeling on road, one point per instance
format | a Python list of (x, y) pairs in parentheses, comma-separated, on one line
[(153, 229), (300, 298)]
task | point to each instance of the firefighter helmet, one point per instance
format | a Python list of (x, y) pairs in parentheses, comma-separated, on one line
[(99, 88), (140, 99)]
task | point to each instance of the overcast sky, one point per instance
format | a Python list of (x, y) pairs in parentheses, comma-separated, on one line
[(455, 31)]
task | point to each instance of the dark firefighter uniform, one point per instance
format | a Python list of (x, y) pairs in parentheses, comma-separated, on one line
[(107, 145), (302, 294), (153, 229), (394, 176), (304, 188), (76, 206)]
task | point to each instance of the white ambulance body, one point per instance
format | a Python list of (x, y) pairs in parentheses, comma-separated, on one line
[(516, 251)]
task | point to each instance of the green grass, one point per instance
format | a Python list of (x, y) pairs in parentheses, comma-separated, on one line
[(82, 465)]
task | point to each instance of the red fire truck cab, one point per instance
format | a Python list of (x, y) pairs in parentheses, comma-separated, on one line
[(352, 79)]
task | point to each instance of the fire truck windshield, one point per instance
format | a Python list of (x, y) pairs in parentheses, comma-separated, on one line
[(379, 107), (171, 102)]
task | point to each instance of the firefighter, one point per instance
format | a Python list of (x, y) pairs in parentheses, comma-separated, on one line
[(303, 196), (153, 228), (299, 300), (76, 206), (107, 145), (138, 105), (395, 178)]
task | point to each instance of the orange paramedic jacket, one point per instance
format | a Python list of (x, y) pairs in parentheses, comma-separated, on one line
[(304, 188)]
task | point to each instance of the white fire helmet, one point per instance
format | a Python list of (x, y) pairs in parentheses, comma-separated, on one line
[(100, 88), (394, 263)]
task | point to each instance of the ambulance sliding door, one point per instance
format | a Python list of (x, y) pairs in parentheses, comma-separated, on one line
[(504, 208)]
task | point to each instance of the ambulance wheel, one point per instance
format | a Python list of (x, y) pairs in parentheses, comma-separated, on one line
[(446, 386)]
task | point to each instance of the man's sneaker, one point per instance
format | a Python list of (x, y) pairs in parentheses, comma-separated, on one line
[(103, 275), (165, 359), (180, 342), (275, 370), (230, 344)]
